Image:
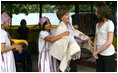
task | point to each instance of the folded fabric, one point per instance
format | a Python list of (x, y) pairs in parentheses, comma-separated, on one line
[(67, 48), (19, 41)]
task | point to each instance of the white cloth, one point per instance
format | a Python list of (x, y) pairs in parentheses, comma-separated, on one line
[(88, 45), (7, 58), (67, 48), (102, 36), (46, 63)]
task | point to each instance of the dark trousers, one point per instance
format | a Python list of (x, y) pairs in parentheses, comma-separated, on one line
[(23, 60), (105, 63), (73, 65), (59, 63)]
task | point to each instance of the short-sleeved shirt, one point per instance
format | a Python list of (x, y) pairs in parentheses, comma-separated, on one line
[(41, 41), (7, 60), (102, 35)]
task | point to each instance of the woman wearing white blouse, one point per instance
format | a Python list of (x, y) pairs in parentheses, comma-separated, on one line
[(103, 49)]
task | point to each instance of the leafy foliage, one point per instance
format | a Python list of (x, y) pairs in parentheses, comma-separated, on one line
[(35, 8), (20, 8)]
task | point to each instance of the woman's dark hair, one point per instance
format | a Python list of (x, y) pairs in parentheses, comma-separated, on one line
[(43, 27), (104, 11), (23, 22)]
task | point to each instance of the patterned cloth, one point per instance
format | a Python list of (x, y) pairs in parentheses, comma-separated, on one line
[(4, 17), (46, 63), (43, 20), (67, 48)]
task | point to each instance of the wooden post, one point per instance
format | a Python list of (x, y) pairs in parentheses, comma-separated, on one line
[(93, 25), (10, 13), (76, 8), (40, 11)]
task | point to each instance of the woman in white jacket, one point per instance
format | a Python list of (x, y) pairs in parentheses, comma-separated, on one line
[(66, 49)]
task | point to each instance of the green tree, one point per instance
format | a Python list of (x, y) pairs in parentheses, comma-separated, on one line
[(32, 8), (20, 8)]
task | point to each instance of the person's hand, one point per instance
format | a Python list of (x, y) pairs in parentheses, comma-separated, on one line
[(66, 33), (86, 40), (76, 26), (18, 47), (95, 55)]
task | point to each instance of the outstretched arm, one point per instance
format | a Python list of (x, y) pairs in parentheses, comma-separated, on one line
[(53, 39)]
